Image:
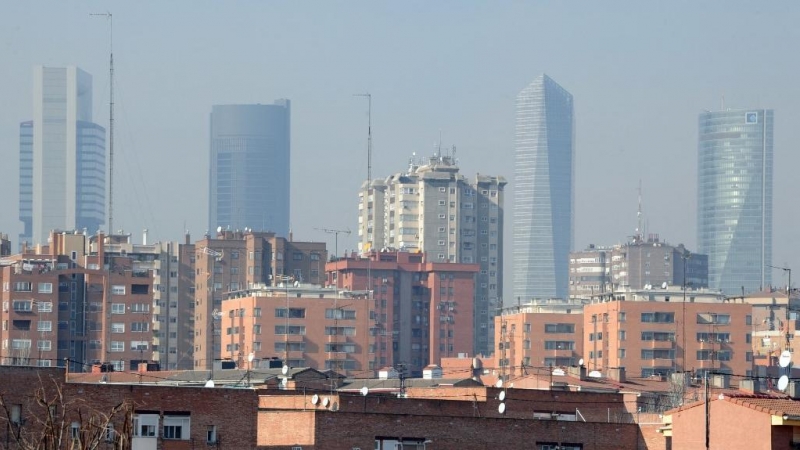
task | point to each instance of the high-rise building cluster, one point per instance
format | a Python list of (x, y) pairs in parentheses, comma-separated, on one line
[(426, 282)]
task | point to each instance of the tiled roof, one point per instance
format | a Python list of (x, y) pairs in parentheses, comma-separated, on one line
[(769, 405)]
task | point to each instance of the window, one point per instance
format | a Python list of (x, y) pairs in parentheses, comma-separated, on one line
[(297, 256), (117, 327), (293, 329), (712, 318), (16, 414), (145, 425), (658, 317), (340, 331), (75, 430), (45, 288), (280, 347), (211, 434), (559, 328), (658, 353), (117, 346), (44, 325), (559, 345), (657, 336), (118, 289), (341, 314), (177, 427), (294, 313), (117, 308), (256, 312), (140, 327), (44, 306), (621, 317), (622, 335)]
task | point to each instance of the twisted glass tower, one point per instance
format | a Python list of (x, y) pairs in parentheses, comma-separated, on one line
[(734, 198), (543, 195)]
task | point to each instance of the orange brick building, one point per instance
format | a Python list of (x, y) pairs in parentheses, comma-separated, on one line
[(649, 338), (321, 328), (423, 310)]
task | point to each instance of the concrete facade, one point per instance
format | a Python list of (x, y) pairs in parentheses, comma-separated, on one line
[(433, 209)]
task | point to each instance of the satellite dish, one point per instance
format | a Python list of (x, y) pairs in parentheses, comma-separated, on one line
[(499, 383), (595, 374), (251, 357), (558, 372), (364, 391), (721, 396), (219, 229), (785, 359), (664, 285), (325, 402), (315, 399), (210, 383), (580, 362), (285, 369), (502, 396), (296, 283), (501, 408), (783, 383)]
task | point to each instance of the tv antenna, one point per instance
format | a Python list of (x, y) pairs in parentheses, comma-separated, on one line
[(369, 136), (336, 236), (108, 16)]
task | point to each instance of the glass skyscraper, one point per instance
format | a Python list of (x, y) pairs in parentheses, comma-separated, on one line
[(734, 198), (62, 161), (249, 167), (543, 196)]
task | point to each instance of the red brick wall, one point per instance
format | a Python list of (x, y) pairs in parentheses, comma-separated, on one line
[(733, 427)]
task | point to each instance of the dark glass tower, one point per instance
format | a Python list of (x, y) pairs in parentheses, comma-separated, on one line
[(249, 167)]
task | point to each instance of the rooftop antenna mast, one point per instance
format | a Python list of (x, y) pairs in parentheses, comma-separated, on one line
[(369, 136), (639, 230), (108, 16), (336, 236)]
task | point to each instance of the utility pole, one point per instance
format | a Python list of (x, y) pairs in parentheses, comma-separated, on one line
[(788, 270), (336, 237)]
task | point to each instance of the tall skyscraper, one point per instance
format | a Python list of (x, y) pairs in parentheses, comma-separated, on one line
[(734, 198), (543, 196), (249, 167), (62, 163), (431, 208)]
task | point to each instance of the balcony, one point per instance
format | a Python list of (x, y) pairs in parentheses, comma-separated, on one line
[(22, 306)]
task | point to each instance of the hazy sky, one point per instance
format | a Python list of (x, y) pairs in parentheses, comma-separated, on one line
[(639, 72)]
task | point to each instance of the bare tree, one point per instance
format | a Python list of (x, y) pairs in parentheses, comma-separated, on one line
[(51, 421)]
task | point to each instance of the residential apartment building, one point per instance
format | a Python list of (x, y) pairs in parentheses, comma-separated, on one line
[(304, 326), (239, 260), (543, 190), (541, 333), (422, 309), (660, 337), (62, 161), (249, 167), (433, 209), (158, 314), (97, 300), (638, 264), (734, 198)]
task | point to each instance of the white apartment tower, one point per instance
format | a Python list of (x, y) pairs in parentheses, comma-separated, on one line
[(431, 208)]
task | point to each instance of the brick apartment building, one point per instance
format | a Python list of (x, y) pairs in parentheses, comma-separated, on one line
[(305, 326), (542, 333), (93, 300), (423, 310), (634, 265), (238, 260), (648, 337), (162, 415)]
